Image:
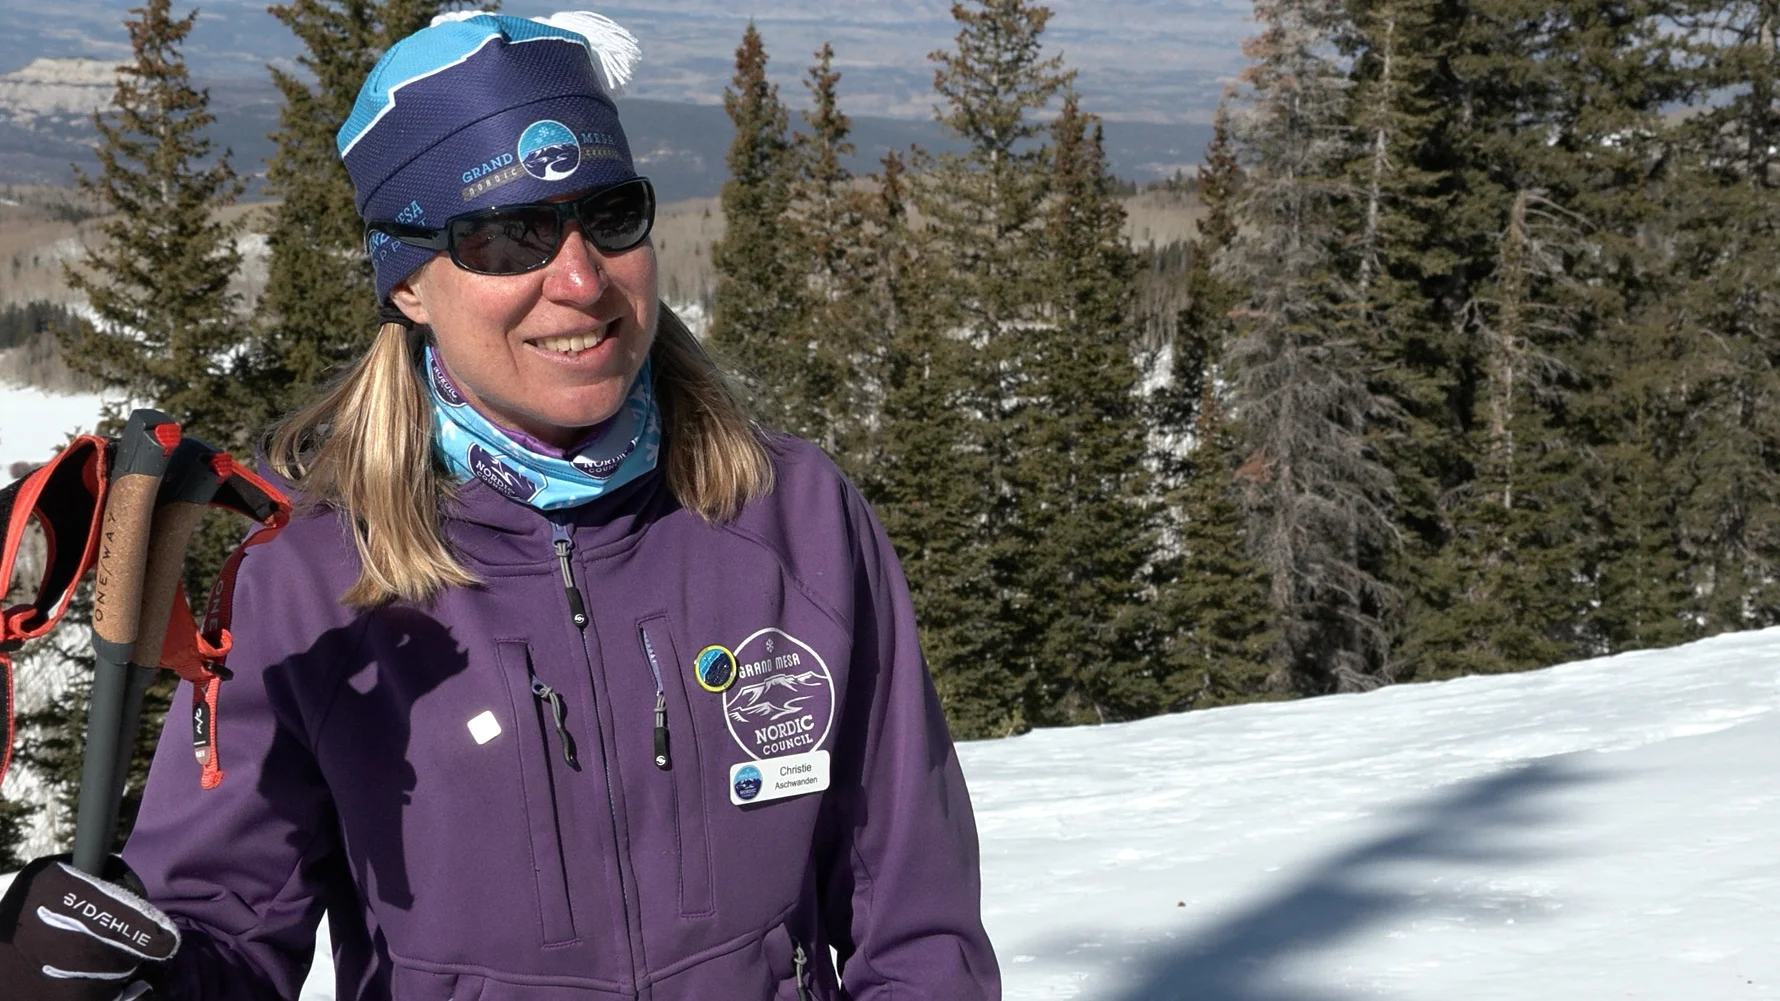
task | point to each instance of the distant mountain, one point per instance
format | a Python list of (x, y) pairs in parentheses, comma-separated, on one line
[(46, 107), (46, 110), (1138, 60)]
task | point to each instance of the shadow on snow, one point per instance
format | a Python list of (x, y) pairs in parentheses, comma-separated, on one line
[(1244, 956)]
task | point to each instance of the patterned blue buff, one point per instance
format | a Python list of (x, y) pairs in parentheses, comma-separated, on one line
[(480, 110), (623, 449)]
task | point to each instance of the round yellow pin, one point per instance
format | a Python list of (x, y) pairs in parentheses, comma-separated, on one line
[(715, 668)]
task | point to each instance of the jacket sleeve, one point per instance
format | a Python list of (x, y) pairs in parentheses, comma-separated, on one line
[(901, 884), (243, 868)]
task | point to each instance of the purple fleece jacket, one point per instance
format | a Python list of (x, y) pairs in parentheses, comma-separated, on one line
[(395, 769)]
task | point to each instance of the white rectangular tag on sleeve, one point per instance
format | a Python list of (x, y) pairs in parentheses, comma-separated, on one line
[(778, 778)]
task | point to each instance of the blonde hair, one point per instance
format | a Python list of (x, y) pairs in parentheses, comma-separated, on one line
[(365, 447)]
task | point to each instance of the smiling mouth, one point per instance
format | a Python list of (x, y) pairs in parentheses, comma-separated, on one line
[(569, 344)]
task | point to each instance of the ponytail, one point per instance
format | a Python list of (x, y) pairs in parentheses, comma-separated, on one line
[(366, 446)]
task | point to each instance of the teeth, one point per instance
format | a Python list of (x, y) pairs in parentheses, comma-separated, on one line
[(571, 343)]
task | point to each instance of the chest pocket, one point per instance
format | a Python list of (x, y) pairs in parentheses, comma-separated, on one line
[(540, 759), (684, 770)]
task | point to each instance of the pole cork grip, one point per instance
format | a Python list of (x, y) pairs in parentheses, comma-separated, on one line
[(168, 541), (123, 556)]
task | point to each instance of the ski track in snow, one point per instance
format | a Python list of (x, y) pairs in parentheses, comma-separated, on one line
[(1603, 829)]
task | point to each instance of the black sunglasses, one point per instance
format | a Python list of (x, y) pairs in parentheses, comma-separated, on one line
[(514, 239)]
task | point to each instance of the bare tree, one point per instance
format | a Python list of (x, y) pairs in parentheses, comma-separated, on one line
[(1315, 494)]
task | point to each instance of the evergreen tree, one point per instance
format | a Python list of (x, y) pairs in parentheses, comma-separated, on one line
[(319, 310), (1502, 236), (1615, 146), (1217, 636), (926, 483), (1077, 444), (1517, 534), (1204, 329), (871, 319), (833, 379), (14, 816), (1315, 490), (1720, 326), (158, 282), (983, 222), (53, 738), (1406, 264), (757, 307), (167, 327), (985, 206), (1568, 165), (1212, 600)]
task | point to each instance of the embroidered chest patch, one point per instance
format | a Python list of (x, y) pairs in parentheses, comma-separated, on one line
[(782, 699)]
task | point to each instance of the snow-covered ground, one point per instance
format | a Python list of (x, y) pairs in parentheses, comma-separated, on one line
[(35, 423), (1602, 829)]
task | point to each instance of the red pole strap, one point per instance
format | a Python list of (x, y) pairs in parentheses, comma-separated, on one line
[(66, 496)]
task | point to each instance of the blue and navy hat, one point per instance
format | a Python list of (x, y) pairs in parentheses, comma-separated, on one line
[(480, 110)]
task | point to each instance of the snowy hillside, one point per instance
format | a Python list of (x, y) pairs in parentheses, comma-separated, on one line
[(1602, 829)]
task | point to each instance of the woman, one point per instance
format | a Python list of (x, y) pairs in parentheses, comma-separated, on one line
[(570, 685)]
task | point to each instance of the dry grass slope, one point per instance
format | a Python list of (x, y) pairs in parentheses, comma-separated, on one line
[(41, 227)]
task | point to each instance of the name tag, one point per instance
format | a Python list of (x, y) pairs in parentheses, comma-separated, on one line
[(778, 778)]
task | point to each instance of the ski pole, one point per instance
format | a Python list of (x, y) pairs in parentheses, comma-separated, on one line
[(142, 454), (186, 489)]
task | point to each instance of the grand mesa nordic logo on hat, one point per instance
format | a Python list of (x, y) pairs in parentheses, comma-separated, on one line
[(549, 151)]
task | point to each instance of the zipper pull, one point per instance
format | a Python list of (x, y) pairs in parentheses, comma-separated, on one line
[(559, 538), (802, 959), (662, 760), (546, 694)]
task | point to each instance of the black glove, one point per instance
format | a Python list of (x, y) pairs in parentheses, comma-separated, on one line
[(66, 936)]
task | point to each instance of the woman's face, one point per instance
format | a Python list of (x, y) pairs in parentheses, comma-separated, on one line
[(549, 352)]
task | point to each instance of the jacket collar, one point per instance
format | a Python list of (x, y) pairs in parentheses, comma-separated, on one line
[(488, 529)]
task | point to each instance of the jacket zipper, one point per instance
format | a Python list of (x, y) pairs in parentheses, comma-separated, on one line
[(559, 538), (663, 760), (553, 698), (564, 545), (801, 961)]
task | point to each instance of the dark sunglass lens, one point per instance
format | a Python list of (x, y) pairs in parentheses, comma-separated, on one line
[(509, 242), (619, 218)]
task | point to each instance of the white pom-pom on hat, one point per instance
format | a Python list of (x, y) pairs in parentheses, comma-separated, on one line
[(613, 49), (616, 48)]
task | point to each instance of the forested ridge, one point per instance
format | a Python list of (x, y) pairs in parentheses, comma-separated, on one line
[(1475, 370)]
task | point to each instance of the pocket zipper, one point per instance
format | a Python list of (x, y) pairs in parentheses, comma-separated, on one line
[(553, 698), (663, 758), (800, 961)]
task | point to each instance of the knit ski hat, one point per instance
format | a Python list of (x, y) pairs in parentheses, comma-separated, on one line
[(479, 110)]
